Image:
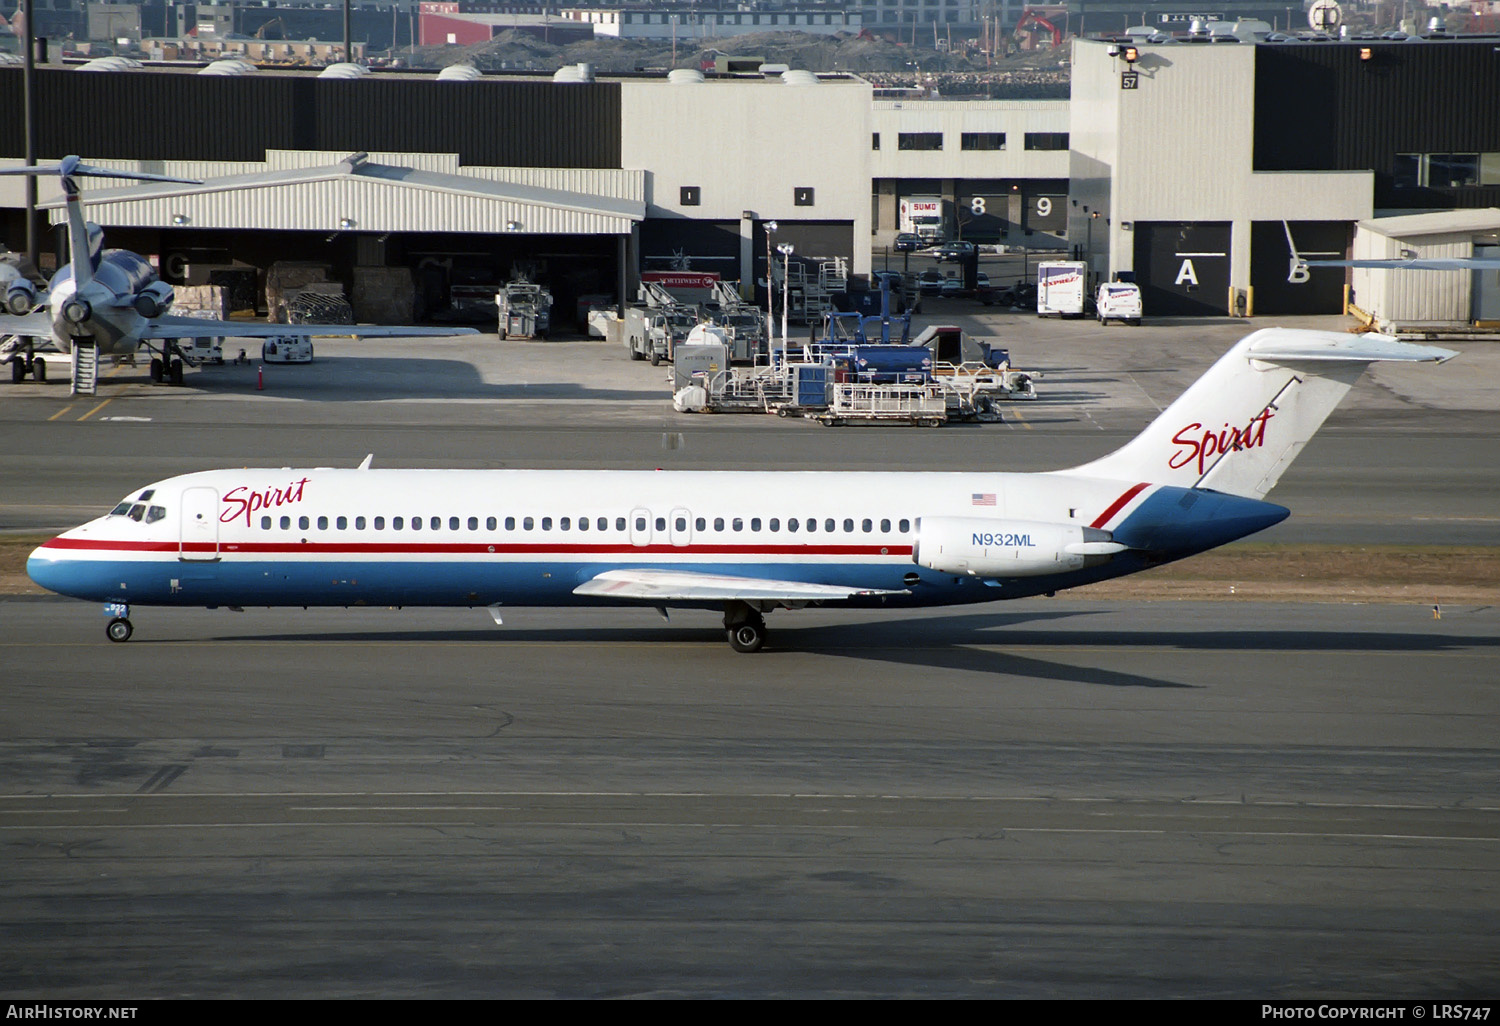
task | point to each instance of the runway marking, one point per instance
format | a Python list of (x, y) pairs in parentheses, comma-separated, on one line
[(96, 409), (60, 412), (1019, 416)]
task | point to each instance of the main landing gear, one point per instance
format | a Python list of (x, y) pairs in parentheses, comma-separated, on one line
[(119, 627), (744, 626), (168, 366)]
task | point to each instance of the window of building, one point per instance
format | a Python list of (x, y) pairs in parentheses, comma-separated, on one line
[(920, 141), (874, 140), (1046, 140), (982, 141), (691, 195)]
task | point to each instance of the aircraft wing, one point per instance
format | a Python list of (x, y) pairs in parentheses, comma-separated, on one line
[(191, 327), (37, 324), (1416, 263), (643, 585)]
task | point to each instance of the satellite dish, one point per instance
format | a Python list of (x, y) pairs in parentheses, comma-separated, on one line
[(1325, 15)]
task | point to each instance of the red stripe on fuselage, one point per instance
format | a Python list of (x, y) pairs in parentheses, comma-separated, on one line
[(477, 548), (1119, 504)]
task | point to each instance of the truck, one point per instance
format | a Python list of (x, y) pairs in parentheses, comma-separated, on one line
[(1059, 287), (1119, 301), (654, 333), (923, 216), (525, 310)]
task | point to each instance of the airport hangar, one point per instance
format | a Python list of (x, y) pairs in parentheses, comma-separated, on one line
[(1186, 162), (590, 180)]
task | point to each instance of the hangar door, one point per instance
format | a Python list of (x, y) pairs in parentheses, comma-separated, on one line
[(1182, 267), (1321, 291)]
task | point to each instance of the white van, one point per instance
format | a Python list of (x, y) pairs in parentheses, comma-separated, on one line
[(1059, 287), (1120, 301)]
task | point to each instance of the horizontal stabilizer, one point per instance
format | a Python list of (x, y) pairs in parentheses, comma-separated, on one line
[(690, 586), (1316, 346)]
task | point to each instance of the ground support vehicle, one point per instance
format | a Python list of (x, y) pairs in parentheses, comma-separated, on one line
[(525, 310), (851, 402), (1059, 287), (1120, 301)]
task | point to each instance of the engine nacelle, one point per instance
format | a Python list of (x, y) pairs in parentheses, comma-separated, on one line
[(154, 299), (77, 311), (998, 547), (20, 297)]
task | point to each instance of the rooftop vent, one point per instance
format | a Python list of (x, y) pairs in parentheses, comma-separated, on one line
[(685, 76), (458, 73), (344, 71), (574, 73), (229, 66), (799, 78), (110, 64)]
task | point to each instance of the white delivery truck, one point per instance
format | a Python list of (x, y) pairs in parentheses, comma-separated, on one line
[(923, 216), (1059, 287), (1119, 301)]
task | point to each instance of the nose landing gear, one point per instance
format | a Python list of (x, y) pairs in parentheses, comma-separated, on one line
[(119, 627)]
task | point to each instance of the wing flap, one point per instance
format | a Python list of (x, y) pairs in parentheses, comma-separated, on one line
[(642, 585)]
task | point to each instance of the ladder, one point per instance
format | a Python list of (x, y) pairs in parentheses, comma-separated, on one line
[(85, 368)]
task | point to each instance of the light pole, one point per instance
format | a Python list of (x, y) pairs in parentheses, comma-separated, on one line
[(785, 249), (770, 289)]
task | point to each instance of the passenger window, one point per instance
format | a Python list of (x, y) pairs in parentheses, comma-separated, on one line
[(565, 524), (738, 524), (379, 523), (155, 513), (603, 524), (583, 523), (868, 526), (661, 523), (416, 523), (490, 523), (718, 523), (905, 526), (619, 523), (342, 523), (528, 523), (453, 523), (286, 523), (398, 523), (303, 523), (473, 523), (848, 526), (510, 523), (812, 523), (830, 525), (885, 527), (322, 523), (755, 523), (680, 524), (791, 524), (436, 523), (640, 523), (546, 523), (359, 523), (265, 523), (700, 525)]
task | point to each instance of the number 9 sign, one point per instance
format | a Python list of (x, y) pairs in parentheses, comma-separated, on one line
[(1043, 205)]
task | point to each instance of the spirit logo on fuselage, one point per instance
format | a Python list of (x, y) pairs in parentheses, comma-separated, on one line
[(241, 502), (1195, 442)]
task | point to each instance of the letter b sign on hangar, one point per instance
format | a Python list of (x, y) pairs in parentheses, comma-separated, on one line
[(1182, 267)]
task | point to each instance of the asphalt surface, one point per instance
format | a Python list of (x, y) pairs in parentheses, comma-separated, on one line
[(1054, 798)]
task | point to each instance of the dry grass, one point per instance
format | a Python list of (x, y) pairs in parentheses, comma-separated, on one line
[(1306, 573)]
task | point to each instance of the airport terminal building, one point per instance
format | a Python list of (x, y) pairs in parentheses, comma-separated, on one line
[(1178, 168)]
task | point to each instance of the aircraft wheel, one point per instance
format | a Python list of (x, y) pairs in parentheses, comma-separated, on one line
[(156, 374), (39, 370), (119, 629), (748, 636), (18, 371), (174, 371)]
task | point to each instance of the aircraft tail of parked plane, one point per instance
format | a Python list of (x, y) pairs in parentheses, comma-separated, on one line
[(1297, 275), (113, 299), (743, 542)]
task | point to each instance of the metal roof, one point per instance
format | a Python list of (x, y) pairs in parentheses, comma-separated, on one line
[(359, 194)]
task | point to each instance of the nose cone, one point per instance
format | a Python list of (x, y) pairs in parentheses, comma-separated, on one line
[(50, 567)]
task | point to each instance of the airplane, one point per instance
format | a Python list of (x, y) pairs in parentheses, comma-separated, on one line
[(743, 542), (1409, 261), (113, 297)]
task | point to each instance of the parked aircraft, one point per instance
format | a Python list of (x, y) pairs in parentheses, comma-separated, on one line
[(742, 542), (1298, 275), (114, 299)]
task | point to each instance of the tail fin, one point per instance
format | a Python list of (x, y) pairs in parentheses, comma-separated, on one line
[(82, 244), (1240, 425)]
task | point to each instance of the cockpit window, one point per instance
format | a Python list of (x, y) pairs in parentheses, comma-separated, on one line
[(137, 511), (121, 509), (155, 513), (146, 495)]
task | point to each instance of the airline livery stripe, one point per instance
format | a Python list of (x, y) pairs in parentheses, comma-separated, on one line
[(1118, 505), (477, 549)]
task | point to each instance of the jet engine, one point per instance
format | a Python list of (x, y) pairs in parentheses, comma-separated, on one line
[(154, 299), (992, 547), (20, 297), (77, 311)]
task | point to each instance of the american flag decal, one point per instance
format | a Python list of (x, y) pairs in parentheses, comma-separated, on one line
[(982, 499)]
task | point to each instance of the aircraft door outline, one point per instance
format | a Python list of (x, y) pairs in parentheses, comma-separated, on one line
[(199, 525)]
